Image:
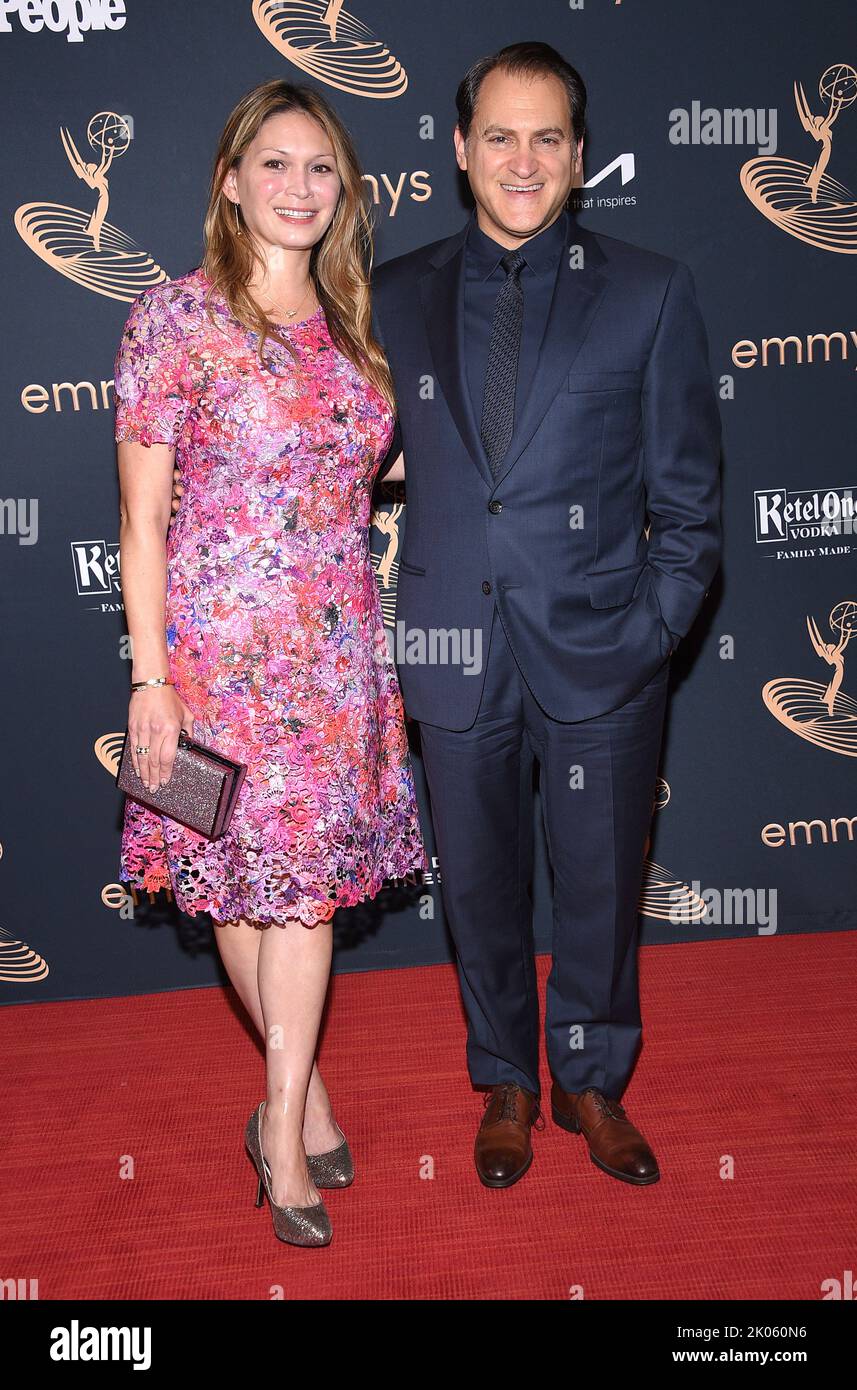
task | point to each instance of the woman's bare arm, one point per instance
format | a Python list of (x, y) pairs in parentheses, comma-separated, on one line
[(156, 715), (145, 481), (396, 472)]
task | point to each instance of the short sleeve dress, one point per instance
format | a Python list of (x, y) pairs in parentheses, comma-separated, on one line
[(274, 630)]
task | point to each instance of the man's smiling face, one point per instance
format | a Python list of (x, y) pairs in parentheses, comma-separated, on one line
[(520, 156)]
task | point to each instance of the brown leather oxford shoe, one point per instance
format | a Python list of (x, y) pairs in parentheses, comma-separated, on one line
[(503, 1151), (614, 1143)]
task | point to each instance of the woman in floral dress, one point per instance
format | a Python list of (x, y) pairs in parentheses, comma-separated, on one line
[(258, 375)]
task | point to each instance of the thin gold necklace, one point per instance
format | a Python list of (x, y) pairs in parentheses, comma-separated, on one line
[(290, 313)]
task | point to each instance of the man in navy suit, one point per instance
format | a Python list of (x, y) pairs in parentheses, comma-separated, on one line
[(554, 398)]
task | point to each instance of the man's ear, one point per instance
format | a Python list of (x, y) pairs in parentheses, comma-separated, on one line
[(458, 142)]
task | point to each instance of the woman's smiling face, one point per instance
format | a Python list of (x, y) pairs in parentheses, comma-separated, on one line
[(287, 182)]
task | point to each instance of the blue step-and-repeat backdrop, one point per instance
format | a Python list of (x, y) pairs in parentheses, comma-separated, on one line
[(724, 135)]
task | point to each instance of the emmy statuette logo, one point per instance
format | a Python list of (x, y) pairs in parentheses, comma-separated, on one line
[(327, 42), (19, 963), (803, 199), (820, 712), (84, 246), (662, 895), (385, 521)]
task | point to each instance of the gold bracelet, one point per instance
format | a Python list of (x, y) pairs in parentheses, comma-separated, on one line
[(155, 680)]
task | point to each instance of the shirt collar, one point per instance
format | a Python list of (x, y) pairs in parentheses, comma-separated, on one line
[(541, 252)]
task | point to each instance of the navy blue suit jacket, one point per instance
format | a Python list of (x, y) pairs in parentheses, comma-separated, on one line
[(620, 429)]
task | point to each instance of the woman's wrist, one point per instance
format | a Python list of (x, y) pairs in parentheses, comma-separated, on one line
[(148, 667), (151, 683), (150, 656)]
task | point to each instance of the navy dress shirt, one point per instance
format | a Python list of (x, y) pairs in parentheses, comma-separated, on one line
[(483, 276)]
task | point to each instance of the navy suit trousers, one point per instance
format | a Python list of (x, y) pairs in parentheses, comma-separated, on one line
[(597, 787)]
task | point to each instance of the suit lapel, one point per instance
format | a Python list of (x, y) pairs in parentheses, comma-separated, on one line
[(576, 300), (442, 294)]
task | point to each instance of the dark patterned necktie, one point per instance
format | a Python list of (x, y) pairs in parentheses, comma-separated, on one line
[(498, 406)]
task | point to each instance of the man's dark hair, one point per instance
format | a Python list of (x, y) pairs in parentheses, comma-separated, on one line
[(534, 59)]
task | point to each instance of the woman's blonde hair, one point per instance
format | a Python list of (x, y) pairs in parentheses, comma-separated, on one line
[(339, 263)]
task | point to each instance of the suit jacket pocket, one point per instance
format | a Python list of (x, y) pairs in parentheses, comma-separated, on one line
[(613, 588), (604, 381), (411, 569)]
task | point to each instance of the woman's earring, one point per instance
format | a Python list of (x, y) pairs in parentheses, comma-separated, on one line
[(237, 220)]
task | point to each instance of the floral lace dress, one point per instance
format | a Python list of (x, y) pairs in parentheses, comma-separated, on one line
[(273, 620)]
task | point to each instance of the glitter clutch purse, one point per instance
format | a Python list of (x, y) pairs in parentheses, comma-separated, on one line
[(202, 790)]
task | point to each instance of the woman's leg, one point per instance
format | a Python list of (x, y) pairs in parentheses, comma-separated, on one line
[(293, 975), (238, 944)]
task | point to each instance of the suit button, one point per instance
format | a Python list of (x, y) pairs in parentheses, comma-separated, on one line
[(486, 587), (495, 507)]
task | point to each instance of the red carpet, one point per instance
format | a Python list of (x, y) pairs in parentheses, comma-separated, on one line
[(749, 1052)]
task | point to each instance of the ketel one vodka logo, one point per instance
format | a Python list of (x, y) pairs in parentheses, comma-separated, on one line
[(784, 516), (96, 574)]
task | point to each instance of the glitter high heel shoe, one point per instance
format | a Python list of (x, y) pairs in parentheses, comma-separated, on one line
[(333, 1168), (295, 1225)]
